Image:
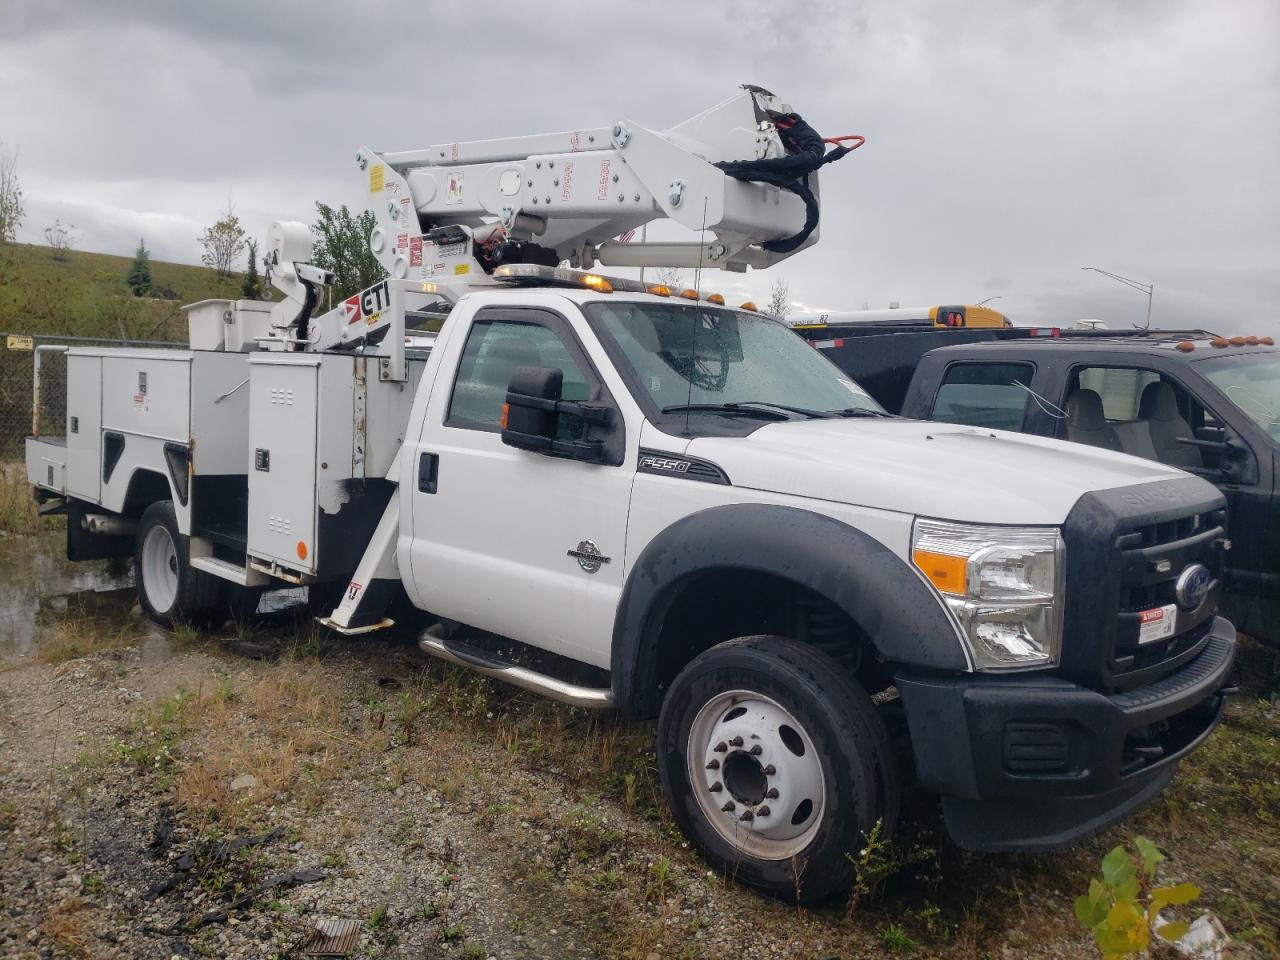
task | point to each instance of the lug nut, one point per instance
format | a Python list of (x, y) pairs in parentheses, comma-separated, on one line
[(716, 787), (720, 747), (747, 816), (771, 793), (762, 811), (713, 765), (727, 808), (770, 770), (756, 750), (735, 742)]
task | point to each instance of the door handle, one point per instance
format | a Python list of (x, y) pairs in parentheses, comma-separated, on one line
[(428, 472)]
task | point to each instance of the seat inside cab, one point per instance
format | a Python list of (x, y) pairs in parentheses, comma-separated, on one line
[(1133, 411)]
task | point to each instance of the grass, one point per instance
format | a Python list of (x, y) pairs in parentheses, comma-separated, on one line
[(85, 294), (17, 508), (312, 729), (75, 634)]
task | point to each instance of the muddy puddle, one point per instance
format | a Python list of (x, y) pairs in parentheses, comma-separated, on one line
[(37, 583), (37, 580)]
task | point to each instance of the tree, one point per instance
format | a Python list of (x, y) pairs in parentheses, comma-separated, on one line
[(342, 247), (11, 210), (139, 276), (223, 243), (672, 277), (251, 289), (779, 300), (60, 237)]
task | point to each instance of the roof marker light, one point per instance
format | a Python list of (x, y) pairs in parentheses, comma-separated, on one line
[(1186, 346), (597, 283), (1219, 342), (1251, 341), (716, 299), (689, 294), (1266, 342), (749, 305), (658, 289)]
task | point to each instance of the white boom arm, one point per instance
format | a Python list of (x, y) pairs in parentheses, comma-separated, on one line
[(442, 211), (573, 192)]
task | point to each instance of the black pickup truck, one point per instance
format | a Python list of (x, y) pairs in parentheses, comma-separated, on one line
[(1207, 404)]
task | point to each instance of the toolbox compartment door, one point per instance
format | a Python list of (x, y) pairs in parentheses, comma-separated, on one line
[(84, 427), (282, 461)]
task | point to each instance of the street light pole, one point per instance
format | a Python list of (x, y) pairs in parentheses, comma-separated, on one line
[(1148, 288)]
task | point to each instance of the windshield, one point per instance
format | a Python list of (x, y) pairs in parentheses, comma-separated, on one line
[(1252, 383), (682, 354)]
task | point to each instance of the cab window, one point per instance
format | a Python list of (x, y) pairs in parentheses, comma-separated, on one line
[(494, 349), (992, 395), (1143, 413)]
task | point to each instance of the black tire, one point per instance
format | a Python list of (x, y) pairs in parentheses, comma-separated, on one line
[(196, 597), (851, 745)]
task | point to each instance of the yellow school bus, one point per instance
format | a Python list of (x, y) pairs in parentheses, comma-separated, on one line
[(942, 317)]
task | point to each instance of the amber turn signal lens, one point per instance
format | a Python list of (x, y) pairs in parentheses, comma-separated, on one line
[(945, 572), (506, 412), (302, 550)]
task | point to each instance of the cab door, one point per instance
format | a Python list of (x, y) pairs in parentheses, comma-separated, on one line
[(522, 544)]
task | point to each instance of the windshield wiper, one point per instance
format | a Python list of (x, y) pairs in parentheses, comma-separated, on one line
[(860, 412), (750, 408)]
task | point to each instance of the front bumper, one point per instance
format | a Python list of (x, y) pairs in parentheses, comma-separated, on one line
[(1034, 763)]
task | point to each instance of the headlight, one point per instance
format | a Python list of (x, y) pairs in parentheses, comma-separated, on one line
[(1003, 585)]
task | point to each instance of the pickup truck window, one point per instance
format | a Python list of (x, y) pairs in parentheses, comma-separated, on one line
[(1143, 413), (493, 351), (1252, 383), (984, 395), (687, 354)]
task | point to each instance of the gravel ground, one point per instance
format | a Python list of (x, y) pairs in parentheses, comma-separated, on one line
[(168, 796)]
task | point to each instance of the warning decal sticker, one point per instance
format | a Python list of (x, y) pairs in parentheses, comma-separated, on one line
[(376, 176)]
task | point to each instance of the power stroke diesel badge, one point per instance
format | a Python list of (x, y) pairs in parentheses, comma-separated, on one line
[(588, 556)]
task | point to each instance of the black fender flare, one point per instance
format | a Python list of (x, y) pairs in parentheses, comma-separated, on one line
[(901, 614)]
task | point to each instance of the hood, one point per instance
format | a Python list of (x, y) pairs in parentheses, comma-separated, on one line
[(931, 469)]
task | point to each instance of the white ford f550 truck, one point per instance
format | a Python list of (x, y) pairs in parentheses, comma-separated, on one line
[(682, 500)]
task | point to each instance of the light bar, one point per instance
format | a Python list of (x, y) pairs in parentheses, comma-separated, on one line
[(532, 274)]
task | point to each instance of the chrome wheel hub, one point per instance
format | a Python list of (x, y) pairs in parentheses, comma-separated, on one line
[(756, 775)]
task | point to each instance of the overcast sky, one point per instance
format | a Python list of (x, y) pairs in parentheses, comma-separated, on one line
[(1009, 142)]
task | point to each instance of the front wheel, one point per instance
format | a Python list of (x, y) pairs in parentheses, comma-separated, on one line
[(169, 589), (776, 765)]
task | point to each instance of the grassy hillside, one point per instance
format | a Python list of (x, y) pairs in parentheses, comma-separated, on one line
[(85, 294)]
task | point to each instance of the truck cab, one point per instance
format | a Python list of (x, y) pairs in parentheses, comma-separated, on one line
[(1206, 404)]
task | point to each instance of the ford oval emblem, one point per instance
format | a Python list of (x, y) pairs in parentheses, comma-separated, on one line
[(1193, 586)]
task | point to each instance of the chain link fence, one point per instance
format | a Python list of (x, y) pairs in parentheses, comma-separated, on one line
[(17, 385)]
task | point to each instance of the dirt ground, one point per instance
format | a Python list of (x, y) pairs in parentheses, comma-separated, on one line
[(172, 794)]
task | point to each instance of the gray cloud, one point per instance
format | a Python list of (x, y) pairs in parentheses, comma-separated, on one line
[(1008, 143)]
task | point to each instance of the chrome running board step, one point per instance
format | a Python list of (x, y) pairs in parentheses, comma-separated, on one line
[(491, 665)]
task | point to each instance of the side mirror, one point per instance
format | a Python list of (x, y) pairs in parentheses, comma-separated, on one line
[(532, 412)]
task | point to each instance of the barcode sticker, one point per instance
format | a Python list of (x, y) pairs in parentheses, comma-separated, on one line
[(1157, 623)]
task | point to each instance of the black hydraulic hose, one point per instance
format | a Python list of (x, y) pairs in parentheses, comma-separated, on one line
[(804, 156), (304, 316)]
